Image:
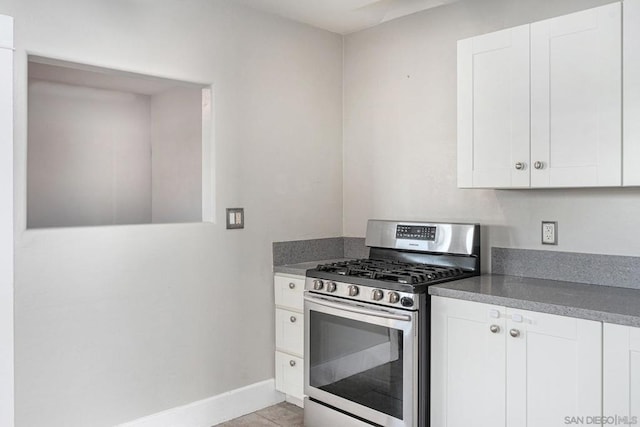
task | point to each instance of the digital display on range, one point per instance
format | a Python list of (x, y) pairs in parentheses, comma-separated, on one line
[(416, 232)]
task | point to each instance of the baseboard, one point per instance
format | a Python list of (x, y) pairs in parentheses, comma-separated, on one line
[(214, 410)]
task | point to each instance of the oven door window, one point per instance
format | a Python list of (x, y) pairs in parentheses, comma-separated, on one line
[(357, 361)]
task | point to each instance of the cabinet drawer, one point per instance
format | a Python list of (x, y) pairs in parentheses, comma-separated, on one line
[(290, 375), (289, 331), (289, 291)]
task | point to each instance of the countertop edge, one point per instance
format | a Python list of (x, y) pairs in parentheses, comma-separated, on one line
[(544, 307), (288, 270), (300, 269)]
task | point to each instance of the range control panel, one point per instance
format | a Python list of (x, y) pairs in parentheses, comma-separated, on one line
[(380, 296), (416, 232)]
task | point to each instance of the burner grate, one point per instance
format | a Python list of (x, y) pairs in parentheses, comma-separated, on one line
[(391, 271)]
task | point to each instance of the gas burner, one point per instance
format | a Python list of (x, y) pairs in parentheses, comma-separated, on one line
[(391, 271), (404, 258)]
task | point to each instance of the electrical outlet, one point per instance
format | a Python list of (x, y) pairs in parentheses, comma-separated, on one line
[(549, 232)]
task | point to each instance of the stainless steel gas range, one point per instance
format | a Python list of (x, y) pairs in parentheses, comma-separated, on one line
[(367, 324)]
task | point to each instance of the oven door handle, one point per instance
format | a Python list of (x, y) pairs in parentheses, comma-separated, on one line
[(359, 310)]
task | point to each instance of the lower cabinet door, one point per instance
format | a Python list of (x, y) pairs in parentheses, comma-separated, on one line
[(622, 373), (290, 375), (554, 369), (289, 331), (288, 291), (467, 364)]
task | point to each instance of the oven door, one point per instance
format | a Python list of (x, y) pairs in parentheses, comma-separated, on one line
[(362, 359)]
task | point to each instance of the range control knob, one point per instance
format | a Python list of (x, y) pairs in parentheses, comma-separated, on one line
[(406, 302), (353, 290), (394, 297), (331, 286), (377, 295), (318, 285)]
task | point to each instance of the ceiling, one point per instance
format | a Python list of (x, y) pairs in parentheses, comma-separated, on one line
[(343, 16)]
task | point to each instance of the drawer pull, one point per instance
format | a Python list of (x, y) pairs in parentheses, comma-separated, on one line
[(292, 363), (292, 285), (293, 319)]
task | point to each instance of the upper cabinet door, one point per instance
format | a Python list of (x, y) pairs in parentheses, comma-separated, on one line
[(576, 99), (631, 108), (493, 109)]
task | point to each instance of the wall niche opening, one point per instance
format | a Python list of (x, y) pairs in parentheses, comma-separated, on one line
[(107, 147)]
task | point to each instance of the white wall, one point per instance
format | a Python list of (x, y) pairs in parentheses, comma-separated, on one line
[(89, 156), (176, 165), (113, 323), (118, 322), (6, 222), (400, 138)]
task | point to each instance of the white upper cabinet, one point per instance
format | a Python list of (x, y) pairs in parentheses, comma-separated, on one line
[(576, 99), (541, 105), (631, 106), (493, 109)]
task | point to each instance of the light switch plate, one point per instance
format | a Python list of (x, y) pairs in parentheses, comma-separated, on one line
[(235, 218), (549, 232)]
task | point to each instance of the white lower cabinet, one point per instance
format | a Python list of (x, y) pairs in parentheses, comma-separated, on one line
[(290, 376), (494, 366), (621, 361), (289, 336)]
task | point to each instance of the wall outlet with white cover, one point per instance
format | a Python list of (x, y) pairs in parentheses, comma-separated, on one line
[(549, 232)]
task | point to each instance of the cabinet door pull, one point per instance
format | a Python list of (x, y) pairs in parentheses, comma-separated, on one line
[(538, 165), (293, 319), (494, 329), (517, 318), (292, 363), (292, 285), (514, 333), (520, 166)]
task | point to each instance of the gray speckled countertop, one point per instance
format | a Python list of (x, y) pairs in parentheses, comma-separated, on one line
[(593, 302), (301, 268)]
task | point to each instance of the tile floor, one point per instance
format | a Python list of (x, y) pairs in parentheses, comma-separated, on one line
[(283, 415)]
